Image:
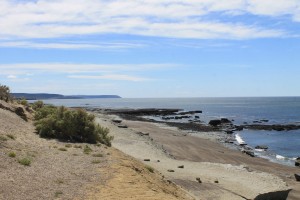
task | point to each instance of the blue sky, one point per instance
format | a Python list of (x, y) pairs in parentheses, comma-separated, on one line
[(151, 48)]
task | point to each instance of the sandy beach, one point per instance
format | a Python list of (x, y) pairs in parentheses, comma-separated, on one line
[(224, 173)]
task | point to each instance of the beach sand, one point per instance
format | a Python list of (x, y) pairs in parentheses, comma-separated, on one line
[(224, 173)]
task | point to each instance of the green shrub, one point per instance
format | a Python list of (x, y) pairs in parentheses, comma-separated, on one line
[(24, 102), (87, 149), (12, 154), (62, 149), (96, 161), (11, 136), (57, 194), (3, 138), (37, 105), (25, 161), (75, 125), (5, 93), (98, 155), (150, 169)]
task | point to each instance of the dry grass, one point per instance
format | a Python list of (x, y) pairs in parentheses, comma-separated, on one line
[(98, 155), (11, 136), (25, 161), (62, 149), (12, 154)]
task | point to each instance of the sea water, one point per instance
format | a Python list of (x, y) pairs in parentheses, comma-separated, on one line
[(284, 146)]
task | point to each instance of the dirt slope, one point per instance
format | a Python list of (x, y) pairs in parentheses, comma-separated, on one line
[(63, 171)]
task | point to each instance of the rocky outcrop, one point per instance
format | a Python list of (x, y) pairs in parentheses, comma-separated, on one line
[(297, 177), (215, 122), (20, 112), (277, 195), (18, 109), (261, 147), (275, 127), (297, 162)]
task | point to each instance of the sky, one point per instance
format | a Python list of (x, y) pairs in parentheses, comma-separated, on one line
[(151, 48)]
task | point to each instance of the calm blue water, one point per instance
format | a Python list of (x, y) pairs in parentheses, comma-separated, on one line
[(280, 110)]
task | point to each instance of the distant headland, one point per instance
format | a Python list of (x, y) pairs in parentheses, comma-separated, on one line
[(37, 96)]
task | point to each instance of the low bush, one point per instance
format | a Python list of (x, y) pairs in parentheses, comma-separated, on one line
[(24, 102), (150, 169), (5, 93), (25, 161), (98, 155), (70, 124), (62, 149), (11, 136), (87, 149), (12, 154), (3, 138), (96, 161), (37, 105)]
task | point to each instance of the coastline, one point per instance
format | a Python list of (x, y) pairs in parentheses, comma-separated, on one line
[(202, 157)]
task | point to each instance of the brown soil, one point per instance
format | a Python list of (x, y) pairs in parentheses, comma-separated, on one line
[(63, 171)]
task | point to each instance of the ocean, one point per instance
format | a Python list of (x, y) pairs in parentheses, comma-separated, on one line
[(284, 146)]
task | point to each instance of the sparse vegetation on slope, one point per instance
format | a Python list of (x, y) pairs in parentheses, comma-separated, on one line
[(5, 93), (69, 124)]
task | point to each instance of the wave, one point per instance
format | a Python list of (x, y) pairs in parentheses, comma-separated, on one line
[(239, 139)]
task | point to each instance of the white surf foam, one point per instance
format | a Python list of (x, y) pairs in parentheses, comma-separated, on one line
[(239, 139)]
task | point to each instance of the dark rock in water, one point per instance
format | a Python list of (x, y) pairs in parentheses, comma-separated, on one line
[(225, 120), (261, 147), (171, 170), (248, 152), (197, 117), (229, 131), (276, 127), (215, 122), (256, 122), (238, 128), (216, 181), (147, 160), (297, 176), (181, 166), (190, 112), (198, 111), (196, 121), (264, 120), (297, 162)]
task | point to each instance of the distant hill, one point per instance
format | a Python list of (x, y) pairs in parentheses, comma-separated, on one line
[(37, 96)]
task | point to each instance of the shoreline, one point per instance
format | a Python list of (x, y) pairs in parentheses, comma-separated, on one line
[(227, 134), (175, 147)]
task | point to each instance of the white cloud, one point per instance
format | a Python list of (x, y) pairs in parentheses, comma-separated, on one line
[(119, 72), (71, 45), (29, 68), (114, 77), (168, 18), (12, 77)]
